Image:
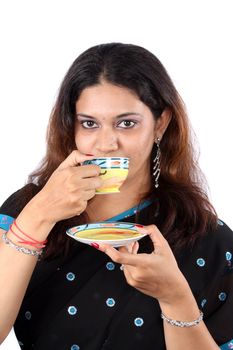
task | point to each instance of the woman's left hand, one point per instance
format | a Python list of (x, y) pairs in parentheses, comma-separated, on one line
[(156, 274)]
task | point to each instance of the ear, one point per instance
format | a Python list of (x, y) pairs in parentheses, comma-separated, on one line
[(162, 123)]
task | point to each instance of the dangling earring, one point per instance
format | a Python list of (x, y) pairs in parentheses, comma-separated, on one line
[(156, 168)]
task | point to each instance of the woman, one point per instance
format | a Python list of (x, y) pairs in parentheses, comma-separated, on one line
[(117, 100)]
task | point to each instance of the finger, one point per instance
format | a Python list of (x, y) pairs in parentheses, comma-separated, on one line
[(74, 159), (130, 248), (89, 171), (127, 248), (154, 233), (87, 195), (78, 174), (123, 249), (124, 257), (91, 183), (135, 248)]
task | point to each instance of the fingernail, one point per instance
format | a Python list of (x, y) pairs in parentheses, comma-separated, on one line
[(95, 245), (141, 228), (89, 155)]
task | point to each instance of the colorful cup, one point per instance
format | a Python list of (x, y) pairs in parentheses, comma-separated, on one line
[(114, 171)]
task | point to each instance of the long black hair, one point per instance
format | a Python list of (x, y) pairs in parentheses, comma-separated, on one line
[(183, 211)]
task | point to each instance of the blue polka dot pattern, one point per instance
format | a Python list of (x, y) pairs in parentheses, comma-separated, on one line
[(138, 321), (28, 315), (110, 302), (72, 310), (200, 262), (110, 266), (203, 302), (222, 296), (220, 222), (70, 276), (228, 256), (74, 347)]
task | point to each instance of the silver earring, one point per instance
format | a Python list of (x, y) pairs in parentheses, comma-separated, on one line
[(156, 161)]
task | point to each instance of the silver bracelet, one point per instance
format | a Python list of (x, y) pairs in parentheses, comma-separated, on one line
[(182, 323), (21, 249)]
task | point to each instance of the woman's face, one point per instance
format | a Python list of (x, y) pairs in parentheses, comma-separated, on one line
[(111, 121)]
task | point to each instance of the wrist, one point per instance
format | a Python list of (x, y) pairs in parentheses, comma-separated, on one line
[(184, 309), (32, 221), (38, 206), (182, 324)]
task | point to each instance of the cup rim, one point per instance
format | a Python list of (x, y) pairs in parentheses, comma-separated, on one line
[(110, 158)]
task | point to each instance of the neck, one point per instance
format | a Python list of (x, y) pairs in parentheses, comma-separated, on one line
[(105, 206)]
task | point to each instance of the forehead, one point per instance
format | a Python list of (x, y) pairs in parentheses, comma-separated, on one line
[(109, 99)]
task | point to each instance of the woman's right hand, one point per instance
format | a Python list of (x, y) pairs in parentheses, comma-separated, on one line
[(68, 190), (65, 195)]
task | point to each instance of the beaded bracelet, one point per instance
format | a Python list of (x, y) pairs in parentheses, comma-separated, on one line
[(182, 323), (24, 250)]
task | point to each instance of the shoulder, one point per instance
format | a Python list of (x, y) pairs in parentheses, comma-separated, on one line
[(211, 255), (217, 240), (214, 240), (14, 204)]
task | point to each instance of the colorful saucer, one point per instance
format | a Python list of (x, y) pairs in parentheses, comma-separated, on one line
[(116, 234)]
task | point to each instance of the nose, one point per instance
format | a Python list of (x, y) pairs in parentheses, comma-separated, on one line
[(106, 141)]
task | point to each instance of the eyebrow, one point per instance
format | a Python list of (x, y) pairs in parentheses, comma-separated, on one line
[(117, 117)]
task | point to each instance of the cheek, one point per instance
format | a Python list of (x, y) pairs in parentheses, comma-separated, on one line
[(143, 146), (140, 151), (81, 142)]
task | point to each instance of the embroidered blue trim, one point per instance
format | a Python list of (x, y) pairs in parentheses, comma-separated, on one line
[(130, 212), (5, 221), (227, 346)]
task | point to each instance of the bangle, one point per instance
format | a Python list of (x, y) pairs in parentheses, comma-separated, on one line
[(24, 250), (40, 243), (23, 241), (182, 323)]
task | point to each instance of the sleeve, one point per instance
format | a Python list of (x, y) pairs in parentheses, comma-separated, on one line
[(216, 301), (11, 208), (227, 346)]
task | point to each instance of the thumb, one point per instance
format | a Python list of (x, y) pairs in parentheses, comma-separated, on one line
[(153, 232), (73, 159)]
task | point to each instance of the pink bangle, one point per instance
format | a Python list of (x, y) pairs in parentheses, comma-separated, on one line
[(32, 239)]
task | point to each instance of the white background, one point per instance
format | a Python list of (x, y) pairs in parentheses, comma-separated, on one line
[(40, 40)]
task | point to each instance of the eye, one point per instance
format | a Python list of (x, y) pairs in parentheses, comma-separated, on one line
[(126, 124), (88, 124)]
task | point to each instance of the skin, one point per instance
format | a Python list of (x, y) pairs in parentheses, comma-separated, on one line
[(156, 274), (71, 189), (116, 123)]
